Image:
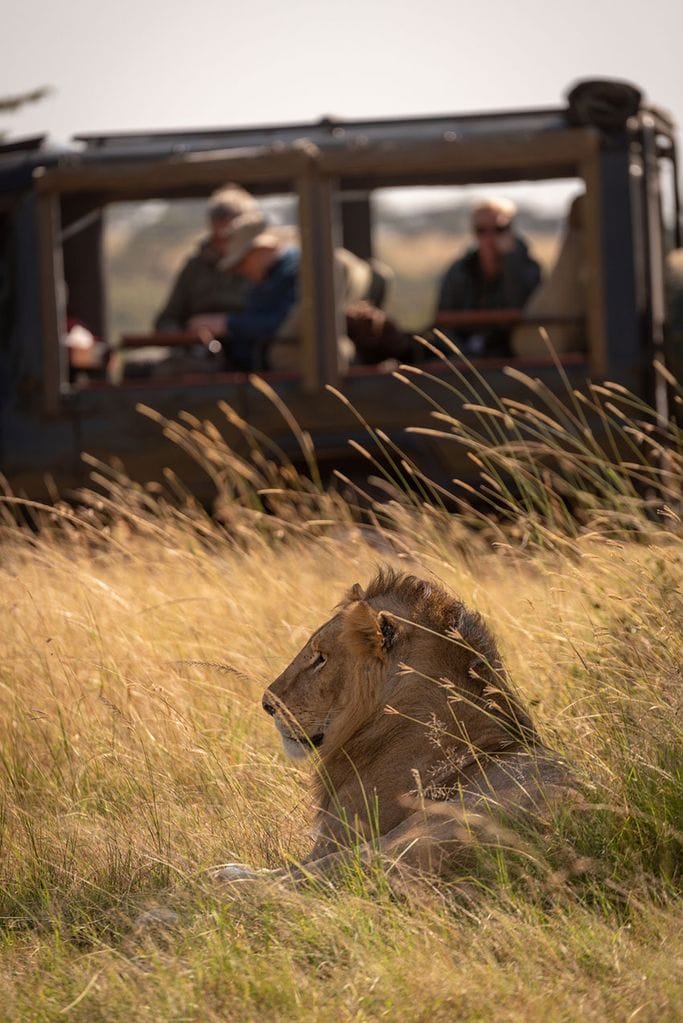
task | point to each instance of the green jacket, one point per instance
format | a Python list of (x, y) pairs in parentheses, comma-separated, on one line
[(201, 287)]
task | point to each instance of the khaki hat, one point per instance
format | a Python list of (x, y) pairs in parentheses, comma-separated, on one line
[(243, 234)]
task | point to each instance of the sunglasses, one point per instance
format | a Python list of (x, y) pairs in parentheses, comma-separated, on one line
[(498, 229)]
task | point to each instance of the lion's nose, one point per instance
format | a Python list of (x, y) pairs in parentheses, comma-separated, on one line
[(267, 705)]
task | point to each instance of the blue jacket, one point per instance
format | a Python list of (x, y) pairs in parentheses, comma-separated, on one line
[(268, 305)]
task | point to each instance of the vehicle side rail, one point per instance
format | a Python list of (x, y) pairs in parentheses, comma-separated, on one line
[(162, 338), (500, 318)]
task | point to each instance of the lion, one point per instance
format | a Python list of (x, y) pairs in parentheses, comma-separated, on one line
[(418, 741)]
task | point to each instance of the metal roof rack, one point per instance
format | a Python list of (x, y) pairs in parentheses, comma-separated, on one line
[(331, 132)]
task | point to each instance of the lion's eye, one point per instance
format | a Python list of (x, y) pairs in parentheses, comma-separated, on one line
[(319, 661)]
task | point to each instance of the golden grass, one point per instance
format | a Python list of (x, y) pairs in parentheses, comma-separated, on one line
[(134, 755)]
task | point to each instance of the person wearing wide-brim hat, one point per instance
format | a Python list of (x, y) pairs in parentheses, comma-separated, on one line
[(272, 270), (203, 285)]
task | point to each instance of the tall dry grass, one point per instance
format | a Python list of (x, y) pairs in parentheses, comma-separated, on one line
[(137, 637)]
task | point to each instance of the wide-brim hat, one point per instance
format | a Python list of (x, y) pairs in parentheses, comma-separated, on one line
[(241, 235)]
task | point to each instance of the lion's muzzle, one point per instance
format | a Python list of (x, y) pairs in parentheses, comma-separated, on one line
[(299, 737)]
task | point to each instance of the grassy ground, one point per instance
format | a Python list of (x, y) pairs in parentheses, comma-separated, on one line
[(134, 755)]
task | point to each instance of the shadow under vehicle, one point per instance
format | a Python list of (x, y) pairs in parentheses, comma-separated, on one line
[(51, 229)]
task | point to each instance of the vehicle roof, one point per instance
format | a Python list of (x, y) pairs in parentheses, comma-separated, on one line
[(20, 158), (327, 133)]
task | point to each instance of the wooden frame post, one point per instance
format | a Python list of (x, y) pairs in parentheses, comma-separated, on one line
[(320, 317), (52, 301)]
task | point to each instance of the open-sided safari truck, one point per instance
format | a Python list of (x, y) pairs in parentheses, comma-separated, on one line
[(51, 228)]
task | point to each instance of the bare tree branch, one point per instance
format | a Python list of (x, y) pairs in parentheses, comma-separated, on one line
[(11, 103)]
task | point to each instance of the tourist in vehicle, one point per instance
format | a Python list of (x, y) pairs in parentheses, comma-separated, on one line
[(87, 355), (265, 333), (203, 284), (270, 270), (361, 288), (496, 273)]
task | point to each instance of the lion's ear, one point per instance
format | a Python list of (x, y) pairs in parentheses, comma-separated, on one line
[(388, 626), (356, 592), (369, 633)]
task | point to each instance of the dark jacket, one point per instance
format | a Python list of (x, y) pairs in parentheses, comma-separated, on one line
[(201, 287), (464, 287)]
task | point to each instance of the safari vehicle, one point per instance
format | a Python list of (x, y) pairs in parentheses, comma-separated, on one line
[(52, 204)]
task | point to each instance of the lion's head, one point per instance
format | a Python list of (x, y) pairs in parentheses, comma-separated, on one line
[(307, 695), (403, 644)]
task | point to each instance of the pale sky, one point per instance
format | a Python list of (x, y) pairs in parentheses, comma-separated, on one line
[(136, 64)]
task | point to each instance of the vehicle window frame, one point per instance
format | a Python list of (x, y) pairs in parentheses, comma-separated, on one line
[(317, 178)]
